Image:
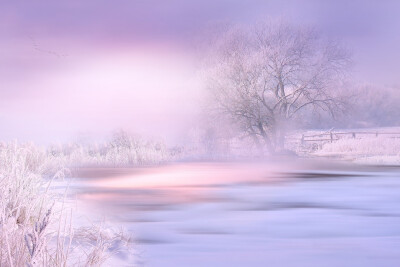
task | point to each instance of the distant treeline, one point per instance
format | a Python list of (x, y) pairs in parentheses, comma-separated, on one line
[(368, 106)]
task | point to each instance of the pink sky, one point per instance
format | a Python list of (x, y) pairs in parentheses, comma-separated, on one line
[(68, 67), (147, 90)]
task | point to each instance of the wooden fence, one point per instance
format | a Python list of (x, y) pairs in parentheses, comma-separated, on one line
[(333, 136)]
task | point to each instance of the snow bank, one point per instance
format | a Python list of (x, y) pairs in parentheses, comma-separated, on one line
[(366, 150)]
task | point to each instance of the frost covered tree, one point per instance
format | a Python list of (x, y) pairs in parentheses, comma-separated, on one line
[(264, 77)]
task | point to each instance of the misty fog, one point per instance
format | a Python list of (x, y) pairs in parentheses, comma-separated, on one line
[(199, 133)]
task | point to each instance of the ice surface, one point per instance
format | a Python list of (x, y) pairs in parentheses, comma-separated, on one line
[(321, 218)]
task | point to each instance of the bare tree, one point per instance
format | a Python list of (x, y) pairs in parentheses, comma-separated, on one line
[(264, 77)]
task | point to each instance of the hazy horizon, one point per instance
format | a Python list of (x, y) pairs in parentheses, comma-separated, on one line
[(95, 66)]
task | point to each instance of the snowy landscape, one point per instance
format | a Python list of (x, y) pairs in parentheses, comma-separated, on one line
[(200, 133)]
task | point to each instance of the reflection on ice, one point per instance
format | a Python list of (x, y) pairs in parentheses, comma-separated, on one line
[(253, 214)]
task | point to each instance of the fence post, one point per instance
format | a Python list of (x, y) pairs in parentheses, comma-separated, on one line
[(354, 135), (331, 137)]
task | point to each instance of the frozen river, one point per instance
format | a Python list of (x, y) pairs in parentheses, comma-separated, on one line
[(300, 213)]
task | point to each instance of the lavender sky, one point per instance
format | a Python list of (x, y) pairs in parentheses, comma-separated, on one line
[(71, 67)]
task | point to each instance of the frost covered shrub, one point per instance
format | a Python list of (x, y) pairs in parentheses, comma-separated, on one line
[(25, 206), (35, 225)]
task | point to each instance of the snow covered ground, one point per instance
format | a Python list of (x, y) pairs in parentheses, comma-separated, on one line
[(368, 150), (370, 146), (300, 214)]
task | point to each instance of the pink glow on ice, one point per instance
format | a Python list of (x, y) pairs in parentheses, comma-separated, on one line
[(186, 176)]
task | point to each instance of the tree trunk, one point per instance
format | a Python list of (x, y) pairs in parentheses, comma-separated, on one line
[(270, 145), (259, 146), (280, 142)]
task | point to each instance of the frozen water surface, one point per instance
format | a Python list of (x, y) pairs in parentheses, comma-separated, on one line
[(251, 214)]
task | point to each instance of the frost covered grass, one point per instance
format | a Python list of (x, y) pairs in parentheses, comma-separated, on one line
[(368, 150), (36, 223), (120, 151), (368, 146), (105, 155)]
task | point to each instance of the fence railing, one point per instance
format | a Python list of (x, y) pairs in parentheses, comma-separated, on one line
[(334, 136)]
